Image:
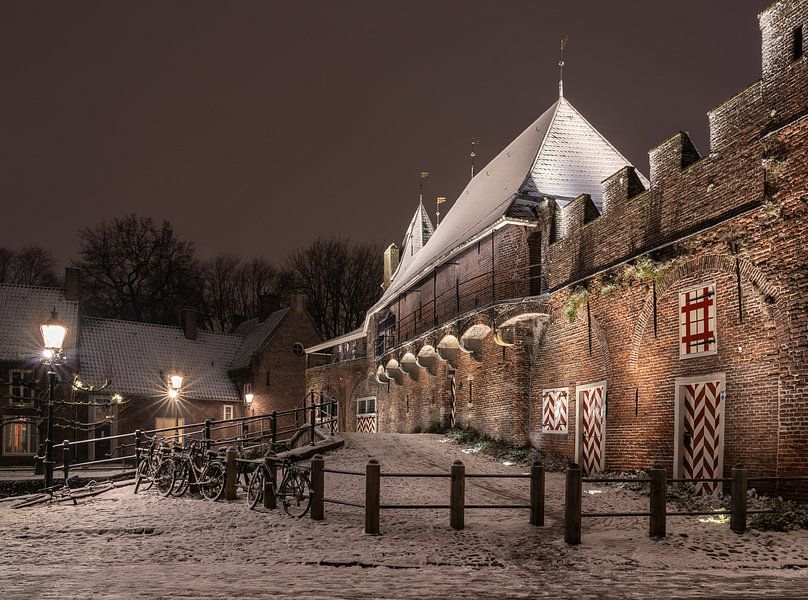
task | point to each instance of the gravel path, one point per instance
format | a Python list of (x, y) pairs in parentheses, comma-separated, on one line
[(121, 545)]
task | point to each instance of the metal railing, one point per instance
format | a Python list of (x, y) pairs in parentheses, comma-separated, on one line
[(255, 429), (478, 292)]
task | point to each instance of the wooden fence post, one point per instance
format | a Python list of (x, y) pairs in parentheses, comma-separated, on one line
[(537, 494), (270, 501), (737, 519), (317, 487), (372, 496), (457, 496), (231, 472), (572, 505), (657, 498)]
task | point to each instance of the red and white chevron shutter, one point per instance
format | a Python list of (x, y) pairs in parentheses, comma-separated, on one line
[(555, 410), (592, 400), (703, 419), (366, 424), (697, 331)]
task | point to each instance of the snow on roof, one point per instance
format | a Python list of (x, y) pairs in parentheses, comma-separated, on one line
[(256, 337), (138, 357), (356, 334), (560, 155), (23, 308), (418, 233)]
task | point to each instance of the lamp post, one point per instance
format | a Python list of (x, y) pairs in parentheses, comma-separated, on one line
[(53, 337), (174, 386)]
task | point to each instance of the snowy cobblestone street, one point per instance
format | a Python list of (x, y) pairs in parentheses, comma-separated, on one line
[(121, 545)]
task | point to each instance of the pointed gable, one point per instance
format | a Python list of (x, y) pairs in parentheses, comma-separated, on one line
[(560, 155), (417, 235), (573, 159)]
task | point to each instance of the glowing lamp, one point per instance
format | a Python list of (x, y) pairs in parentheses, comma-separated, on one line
[(176, 381), (53, 335), (172, 393), (248, 398)]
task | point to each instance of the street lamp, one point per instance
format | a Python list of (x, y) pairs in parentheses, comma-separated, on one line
[(53, 337), (174, 386)]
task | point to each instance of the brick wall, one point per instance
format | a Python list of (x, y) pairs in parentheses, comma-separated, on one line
[(734, 216)]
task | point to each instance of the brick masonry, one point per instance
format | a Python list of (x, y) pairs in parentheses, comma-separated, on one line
[(735, 217)]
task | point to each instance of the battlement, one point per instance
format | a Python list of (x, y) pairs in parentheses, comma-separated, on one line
[(689, 192)]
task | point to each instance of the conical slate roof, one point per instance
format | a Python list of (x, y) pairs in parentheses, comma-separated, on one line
[(560, 155), (416, 236)]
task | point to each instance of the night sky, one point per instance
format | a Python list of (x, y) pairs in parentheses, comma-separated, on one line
[(256, 126)]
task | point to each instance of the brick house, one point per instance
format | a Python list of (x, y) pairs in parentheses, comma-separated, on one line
[(568, 302), (134, 361)]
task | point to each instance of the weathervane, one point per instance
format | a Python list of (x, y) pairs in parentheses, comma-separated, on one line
[(561, 67), (424, 175), (438, 201), (474, 142)]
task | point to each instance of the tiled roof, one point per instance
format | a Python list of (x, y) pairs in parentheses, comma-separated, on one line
[(256, 337), (23, 308), (138, 357), (560, 155)]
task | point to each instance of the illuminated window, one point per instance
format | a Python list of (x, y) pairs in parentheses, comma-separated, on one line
[(19, 435), (227, 413), (169, 423), (697, 335)]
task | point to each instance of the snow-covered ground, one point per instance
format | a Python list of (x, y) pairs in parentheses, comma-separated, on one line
[(121, 545)]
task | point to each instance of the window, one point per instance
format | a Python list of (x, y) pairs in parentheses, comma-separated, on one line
[(227, 412), (366, 406), (697, 322), (19, 435), (170, 423), (20, 395), (554, 410), (298, 349), (267, 379), (796, 46)]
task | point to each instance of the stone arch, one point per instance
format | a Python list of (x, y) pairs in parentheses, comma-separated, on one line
[(473, 339), (700, 264)]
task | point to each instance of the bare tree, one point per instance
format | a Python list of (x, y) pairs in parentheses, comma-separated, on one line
[(340, 281), (33, 265), (220, 292), (136, 270)]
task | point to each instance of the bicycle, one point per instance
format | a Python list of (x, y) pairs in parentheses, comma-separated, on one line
[(149, 463), (294, 491)]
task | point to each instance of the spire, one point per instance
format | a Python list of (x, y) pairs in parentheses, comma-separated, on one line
[(561, 68)]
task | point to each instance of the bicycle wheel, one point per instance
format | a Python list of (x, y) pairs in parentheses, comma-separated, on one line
[(144, 477), (211, 482), (295, 493), (255, 491), (164, 477), (182, 479)]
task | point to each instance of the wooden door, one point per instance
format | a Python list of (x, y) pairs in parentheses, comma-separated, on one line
[(700, 430), (591, 435)]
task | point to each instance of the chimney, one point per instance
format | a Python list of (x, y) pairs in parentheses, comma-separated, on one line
[(299, 302), (188, 323), (390, 264), (72, 284), (267, 304)]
